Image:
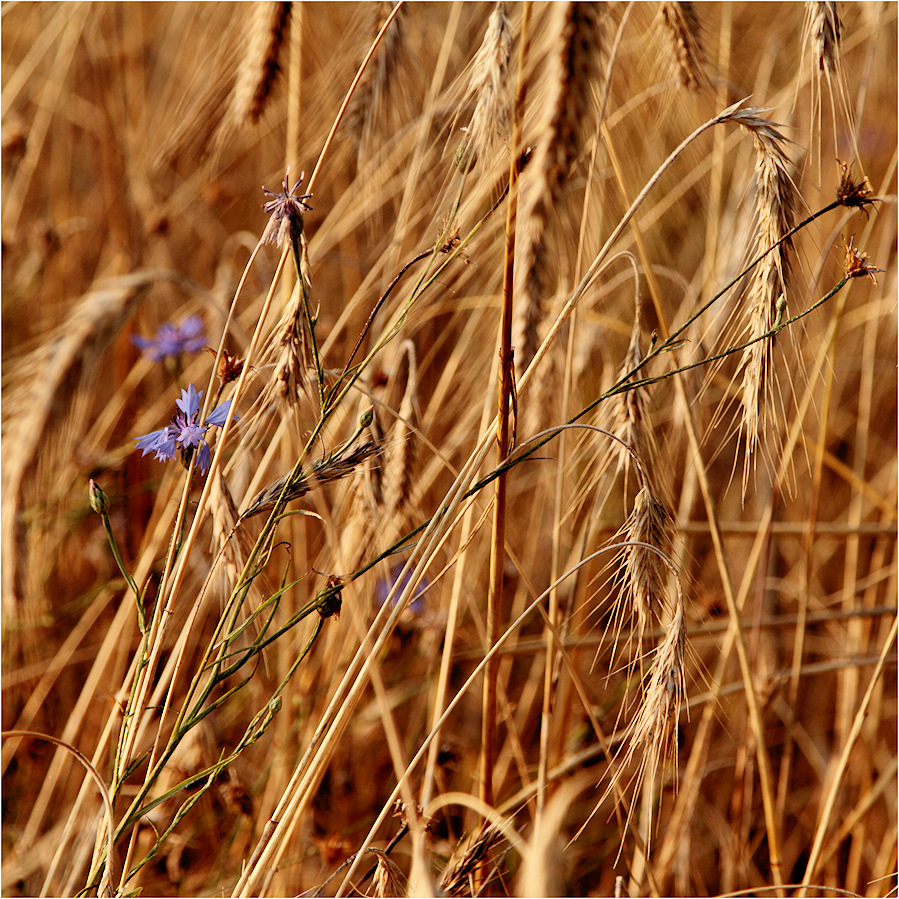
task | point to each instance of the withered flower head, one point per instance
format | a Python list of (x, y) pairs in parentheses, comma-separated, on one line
[(452, 241), (229, 367), (855, 264), (853, 193), (286, 212), (330, 602)]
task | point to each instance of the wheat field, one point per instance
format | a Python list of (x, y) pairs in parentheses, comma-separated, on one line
[(449, 449)]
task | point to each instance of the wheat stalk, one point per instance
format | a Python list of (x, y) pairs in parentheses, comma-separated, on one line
[(124, 158)]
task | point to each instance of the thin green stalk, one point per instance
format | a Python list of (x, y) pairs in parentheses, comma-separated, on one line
[(310, 320), (623, 385), (100, 504)]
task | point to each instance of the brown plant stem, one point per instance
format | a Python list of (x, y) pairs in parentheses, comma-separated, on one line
[(505, 387)]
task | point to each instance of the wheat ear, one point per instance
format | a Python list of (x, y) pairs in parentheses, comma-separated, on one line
[(259, 67), (490, 84), (400, 457), (570, 103), (776, 201), (685, 38)]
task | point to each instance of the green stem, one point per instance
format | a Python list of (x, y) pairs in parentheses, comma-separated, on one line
[(672, 338), (310, 320), (623, 385), (130, 581)]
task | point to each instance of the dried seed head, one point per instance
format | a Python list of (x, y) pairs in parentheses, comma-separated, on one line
[(631, 421), (824, 29), (852, 193), (570, 113), (491, 85), (776, 202), (229, 367), (388, 879), (643, 569), (666, 692), (330, 602), (295, 357), (682, 27), (259, 67), (400, 459), (652, 732), (855, 264), (292, 486)]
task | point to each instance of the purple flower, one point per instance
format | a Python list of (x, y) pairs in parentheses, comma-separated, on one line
[(286, 212), (385, 585), (185, 432), (161, 442), (172, 340)]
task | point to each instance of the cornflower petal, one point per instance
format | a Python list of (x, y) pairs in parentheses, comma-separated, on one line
[(161, 442), (185, 431), (191, 433), (189, 403), (148, 442), (218, 415), (385, 585), (203, 458), (143, 343), (191, 334), (165, 449)]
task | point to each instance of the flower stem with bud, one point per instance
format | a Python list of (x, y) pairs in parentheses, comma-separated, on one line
[(100, 504)]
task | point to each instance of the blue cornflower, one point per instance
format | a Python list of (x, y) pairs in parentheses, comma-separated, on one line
[(385, 585), (173, 340), (185, 432)]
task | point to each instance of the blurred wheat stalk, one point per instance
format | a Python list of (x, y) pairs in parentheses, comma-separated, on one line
[(693, 635)]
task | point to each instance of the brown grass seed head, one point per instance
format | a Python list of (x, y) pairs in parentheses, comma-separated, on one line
[(854, 193), (855, 264)]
